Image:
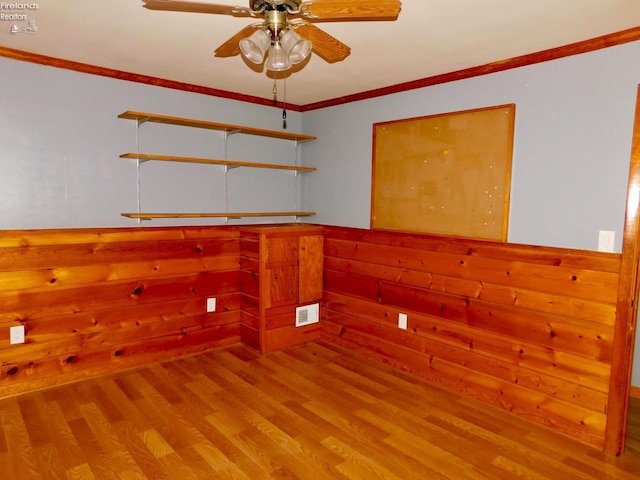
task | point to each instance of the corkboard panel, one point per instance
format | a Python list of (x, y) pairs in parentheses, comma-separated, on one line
[(444, 174)]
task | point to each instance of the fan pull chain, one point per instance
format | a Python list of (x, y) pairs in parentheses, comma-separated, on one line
[(284, 105)]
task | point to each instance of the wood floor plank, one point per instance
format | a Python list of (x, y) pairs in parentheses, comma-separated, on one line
[(80, 472), (22, 462), (109, 441), (311, 412), (176, 467), (96, 457), (146, 461), (50, 464), (66, 445), (357, 464)]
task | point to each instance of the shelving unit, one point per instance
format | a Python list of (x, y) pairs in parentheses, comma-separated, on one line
[(143, 117)]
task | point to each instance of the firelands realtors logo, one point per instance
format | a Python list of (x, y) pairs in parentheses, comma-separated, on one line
[(18, 14)]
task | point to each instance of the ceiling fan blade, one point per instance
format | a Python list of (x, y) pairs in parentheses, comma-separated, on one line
[(196, 7), (336, 10), (231, 47), (324, 45)]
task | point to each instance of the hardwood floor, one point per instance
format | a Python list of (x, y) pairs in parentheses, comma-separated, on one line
[(307, 412)]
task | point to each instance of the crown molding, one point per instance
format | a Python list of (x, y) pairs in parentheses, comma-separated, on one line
[(618, 38), (134, 77)]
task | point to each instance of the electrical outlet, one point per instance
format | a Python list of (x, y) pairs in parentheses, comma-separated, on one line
[(211, 304), (402, 321), (16, 334)]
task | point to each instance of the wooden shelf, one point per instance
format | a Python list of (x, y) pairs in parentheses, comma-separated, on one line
[(211, 161), (187, 122), (150, 216)]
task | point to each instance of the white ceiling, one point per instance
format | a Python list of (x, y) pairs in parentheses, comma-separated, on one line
[(430, 37)]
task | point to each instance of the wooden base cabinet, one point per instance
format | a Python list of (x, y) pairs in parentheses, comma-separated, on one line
[(281, 271)]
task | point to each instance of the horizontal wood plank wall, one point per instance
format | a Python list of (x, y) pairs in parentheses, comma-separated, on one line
[(99, 300), (528, 329)]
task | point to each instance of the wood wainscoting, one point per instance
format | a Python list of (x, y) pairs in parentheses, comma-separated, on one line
[(528, 329), (94, 301)]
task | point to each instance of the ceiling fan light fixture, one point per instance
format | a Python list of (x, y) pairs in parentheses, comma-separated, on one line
[(277, 59), (254, 47), (296, 47)]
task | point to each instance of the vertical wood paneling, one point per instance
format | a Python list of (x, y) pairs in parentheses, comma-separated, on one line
[(99, 300), (529, 329), (310, 267)]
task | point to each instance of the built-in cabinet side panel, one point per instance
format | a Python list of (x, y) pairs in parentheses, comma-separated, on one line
[(282, 250), (250, 309), (282, 270), (310, 263), (283, 281), (289, 335)]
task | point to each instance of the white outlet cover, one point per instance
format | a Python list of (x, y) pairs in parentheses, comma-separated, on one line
[(606, 240), (211, 304), (402, 321), (16, 334)]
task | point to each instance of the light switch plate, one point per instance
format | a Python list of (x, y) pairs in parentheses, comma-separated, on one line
[(211, 304), (606, 241), (402, 321), (16, 334)]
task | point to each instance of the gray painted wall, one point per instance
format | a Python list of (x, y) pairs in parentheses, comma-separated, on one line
[(572, 146), (61, 140)]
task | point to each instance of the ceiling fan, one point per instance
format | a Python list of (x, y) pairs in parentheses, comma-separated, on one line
[(286, 36)]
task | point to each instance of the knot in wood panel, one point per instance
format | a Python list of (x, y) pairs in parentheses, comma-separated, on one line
[(137, 291)]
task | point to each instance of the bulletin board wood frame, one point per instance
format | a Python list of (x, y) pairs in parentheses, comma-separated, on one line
[(444, 174)]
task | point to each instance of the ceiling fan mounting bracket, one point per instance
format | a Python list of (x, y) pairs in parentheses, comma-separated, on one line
[(275, 21), (292, 7)]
